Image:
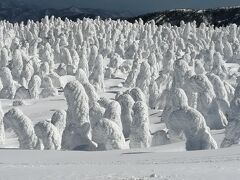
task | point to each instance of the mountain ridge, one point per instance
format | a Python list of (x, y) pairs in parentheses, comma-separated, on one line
[(222, 16), (17, 11)]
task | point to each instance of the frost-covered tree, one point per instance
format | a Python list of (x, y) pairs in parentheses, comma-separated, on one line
[(233, 128), (232, 134), (140, 131), (180, 68), (220, 91), (216, 119), (92, 58), (92, 94), (126, 102), (113, 113), (2, 132), (17, 64), (48, 135), (97, 76), (191, 122), (235, 104), (48, 88), (144, 77), (137, 94), (66, 57), (199, 68), (83, 63), (153, 94), (96, 113), (108, 135), (23, 128), (201, 84), (219, 67), (152, 61), (34, 86), (4, 58), (78, 131), (44, 70), (26, 74), (104, 102), (9, 89), (132, 76), (22, 93), (227, 51), (192, 96), (59, 121), (81, 76)]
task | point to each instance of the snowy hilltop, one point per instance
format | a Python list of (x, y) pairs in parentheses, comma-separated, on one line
[(218, 17)]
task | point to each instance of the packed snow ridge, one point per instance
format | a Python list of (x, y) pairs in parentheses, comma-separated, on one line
[(189, 73)]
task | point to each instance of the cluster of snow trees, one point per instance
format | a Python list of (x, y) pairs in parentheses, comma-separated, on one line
[(184, 71)]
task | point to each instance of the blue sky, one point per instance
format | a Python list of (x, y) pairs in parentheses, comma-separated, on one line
[(136, 6)]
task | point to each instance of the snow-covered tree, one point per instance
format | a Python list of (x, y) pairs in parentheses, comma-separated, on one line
[(34, 86), (78, 130), (59, 121), (140, 131), (232, 134), (201, 84), (48, 88), (132, 76), (191, 122), (23, 127), (22, 93), (113, 113), (144, 77), (92, 94), (97, 76), (4, 58), (108, 135), (2, 132), (17, 64), (96, 113), (48, 135), (137, 94), (153, 94), (9, 89), (126, 102)]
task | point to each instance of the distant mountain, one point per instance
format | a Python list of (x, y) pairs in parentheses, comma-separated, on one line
[(17, 11), (217, 17)]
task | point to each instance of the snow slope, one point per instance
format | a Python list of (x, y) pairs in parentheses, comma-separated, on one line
[(128, 164)]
